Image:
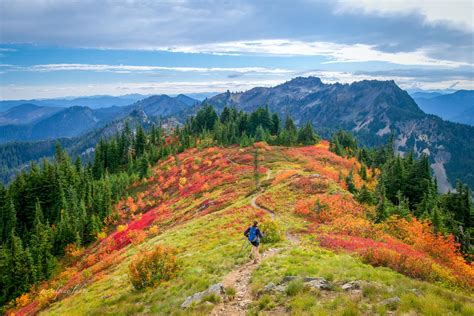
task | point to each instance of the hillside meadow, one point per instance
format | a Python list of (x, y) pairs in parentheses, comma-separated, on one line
[(199, 202)]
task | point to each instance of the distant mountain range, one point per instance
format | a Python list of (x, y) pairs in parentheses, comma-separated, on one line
[(30, 122), (372, 110), (26, 113), (78, 129), (93, 102), (457, 107)]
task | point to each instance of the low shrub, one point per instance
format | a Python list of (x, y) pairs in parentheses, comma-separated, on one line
[(150, 268), (265, 302), (46, 296), (23, 300), (230, 292), (271, 231)]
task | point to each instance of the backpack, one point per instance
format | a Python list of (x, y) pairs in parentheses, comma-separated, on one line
[(252, 233)]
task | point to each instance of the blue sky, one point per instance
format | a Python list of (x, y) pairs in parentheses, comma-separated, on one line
[(71, 48)]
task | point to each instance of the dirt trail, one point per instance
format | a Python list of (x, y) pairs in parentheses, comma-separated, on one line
[(239, 279)]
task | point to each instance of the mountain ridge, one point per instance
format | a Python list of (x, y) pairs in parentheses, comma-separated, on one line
[(372, 110)]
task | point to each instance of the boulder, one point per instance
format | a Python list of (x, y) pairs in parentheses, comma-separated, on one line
[(196, 298), (391, 303), (351, 286), (287, 279), (312, 282), (269, 287), (318, 283)]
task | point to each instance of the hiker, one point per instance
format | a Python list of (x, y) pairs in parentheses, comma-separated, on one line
[(253, 234)]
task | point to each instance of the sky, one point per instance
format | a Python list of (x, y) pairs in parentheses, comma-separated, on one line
[(51, 48)]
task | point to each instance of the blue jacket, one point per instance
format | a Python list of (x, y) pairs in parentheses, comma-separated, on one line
[(258, 234)]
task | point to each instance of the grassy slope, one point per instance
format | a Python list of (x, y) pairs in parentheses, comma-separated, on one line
[(209, 242)]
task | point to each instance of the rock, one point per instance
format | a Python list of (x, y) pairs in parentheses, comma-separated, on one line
[(313, 282), (269, 287), (209, 304), (351, 286), (244, 304), (287, 279), (216, 289), (318, 283), (416, 292), (391, 302)]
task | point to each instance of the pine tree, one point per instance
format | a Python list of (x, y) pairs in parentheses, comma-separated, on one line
[(5, 277), (291, 131), (403, 205), (365, 196), (275, 129), (350, 182), (260, 134), (306, 135), (436, 220), (382, 210), (144, 166), (363, 172), (140, 141), (10, 219), (20, 268), (41, 246)]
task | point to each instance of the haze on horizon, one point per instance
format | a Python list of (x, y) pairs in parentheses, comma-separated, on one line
[(76, 48)]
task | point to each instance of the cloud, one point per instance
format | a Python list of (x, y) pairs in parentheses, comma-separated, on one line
[(336, 52), (400, 27), (423, 74), (142, 69), (169, 87), (456, 13)]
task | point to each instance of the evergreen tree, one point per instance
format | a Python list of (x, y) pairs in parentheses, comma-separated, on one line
[(350, 182), (20, 269), (306, 135), (383, 206), (365, 196), (144, 166), (260, 134), (291, 131), (363, 172), (275, 128), (9, 219), (140, 141)]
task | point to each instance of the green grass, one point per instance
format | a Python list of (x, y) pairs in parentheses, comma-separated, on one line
[(203, 259), (379, 284)]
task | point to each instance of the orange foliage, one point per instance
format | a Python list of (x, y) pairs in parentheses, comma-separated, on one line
[(72, 251), (136, 236), (23, 300), (283, 175), (311, 185)]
